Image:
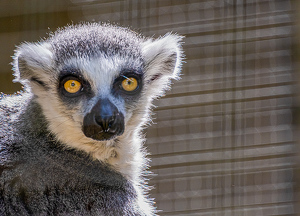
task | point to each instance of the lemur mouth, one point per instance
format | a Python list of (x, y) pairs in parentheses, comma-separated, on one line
[(104, 122), (97, 133)]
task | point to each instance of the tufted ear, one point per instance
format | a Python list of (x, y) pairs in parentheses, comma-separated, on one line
[(163, 58), (32, 62)]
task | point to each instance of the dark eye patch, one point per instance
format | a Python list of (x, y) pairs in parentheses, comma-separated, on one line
[(73, 74), (63, 90), (124, 75)]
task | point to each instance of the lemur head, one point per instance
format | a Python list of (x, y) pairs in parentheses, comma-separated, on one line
[(95, 82)]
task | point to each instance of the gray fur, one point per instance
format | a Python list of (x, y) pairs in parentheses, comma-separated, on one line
[(39, 176), (47, 164), (93, 40)]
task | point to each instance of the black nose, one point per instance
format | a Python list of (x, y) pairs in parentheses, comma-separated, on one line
[(104, 122)]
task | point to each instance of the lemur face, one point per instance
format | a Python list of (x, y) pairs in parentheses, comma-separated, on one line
[(95, 83), (103, 94)]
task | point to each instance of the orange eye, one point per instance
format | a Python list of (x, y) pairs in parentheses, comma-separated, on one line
[(72, 86), (129, 84)]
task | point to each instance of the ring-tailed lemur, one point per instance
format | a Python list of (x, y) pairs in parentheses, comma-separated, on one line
[(71, 143)]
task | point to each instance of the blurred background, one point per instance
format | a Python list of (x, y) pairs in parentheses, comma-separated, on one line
[(224, 142)]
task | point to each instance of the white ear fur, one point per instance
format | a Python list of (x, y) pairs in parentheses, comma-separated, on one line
[(163, 58), (30, 60)]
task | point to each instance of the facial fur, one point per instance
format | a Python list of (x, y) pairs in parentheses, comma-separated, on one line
[(101, 118)]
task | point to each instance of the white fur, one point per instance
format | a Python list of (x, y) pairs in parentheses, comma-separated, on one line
[(38, 56), (156, 53)]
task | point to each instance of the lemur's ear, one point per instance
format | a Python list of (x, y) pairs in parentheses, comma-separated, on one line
[(32, 61), (163, 58)]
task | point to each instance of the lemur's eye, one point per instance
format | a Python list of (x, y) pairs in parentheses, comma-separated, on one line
[(129, 84), (72, 86)]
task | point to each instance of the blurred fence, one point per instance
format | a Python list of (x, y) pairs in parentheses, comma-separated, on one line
[(223, 141)]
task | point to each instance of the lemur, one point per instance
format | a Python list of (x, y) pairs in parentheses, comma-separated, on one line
[(71, 143)]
